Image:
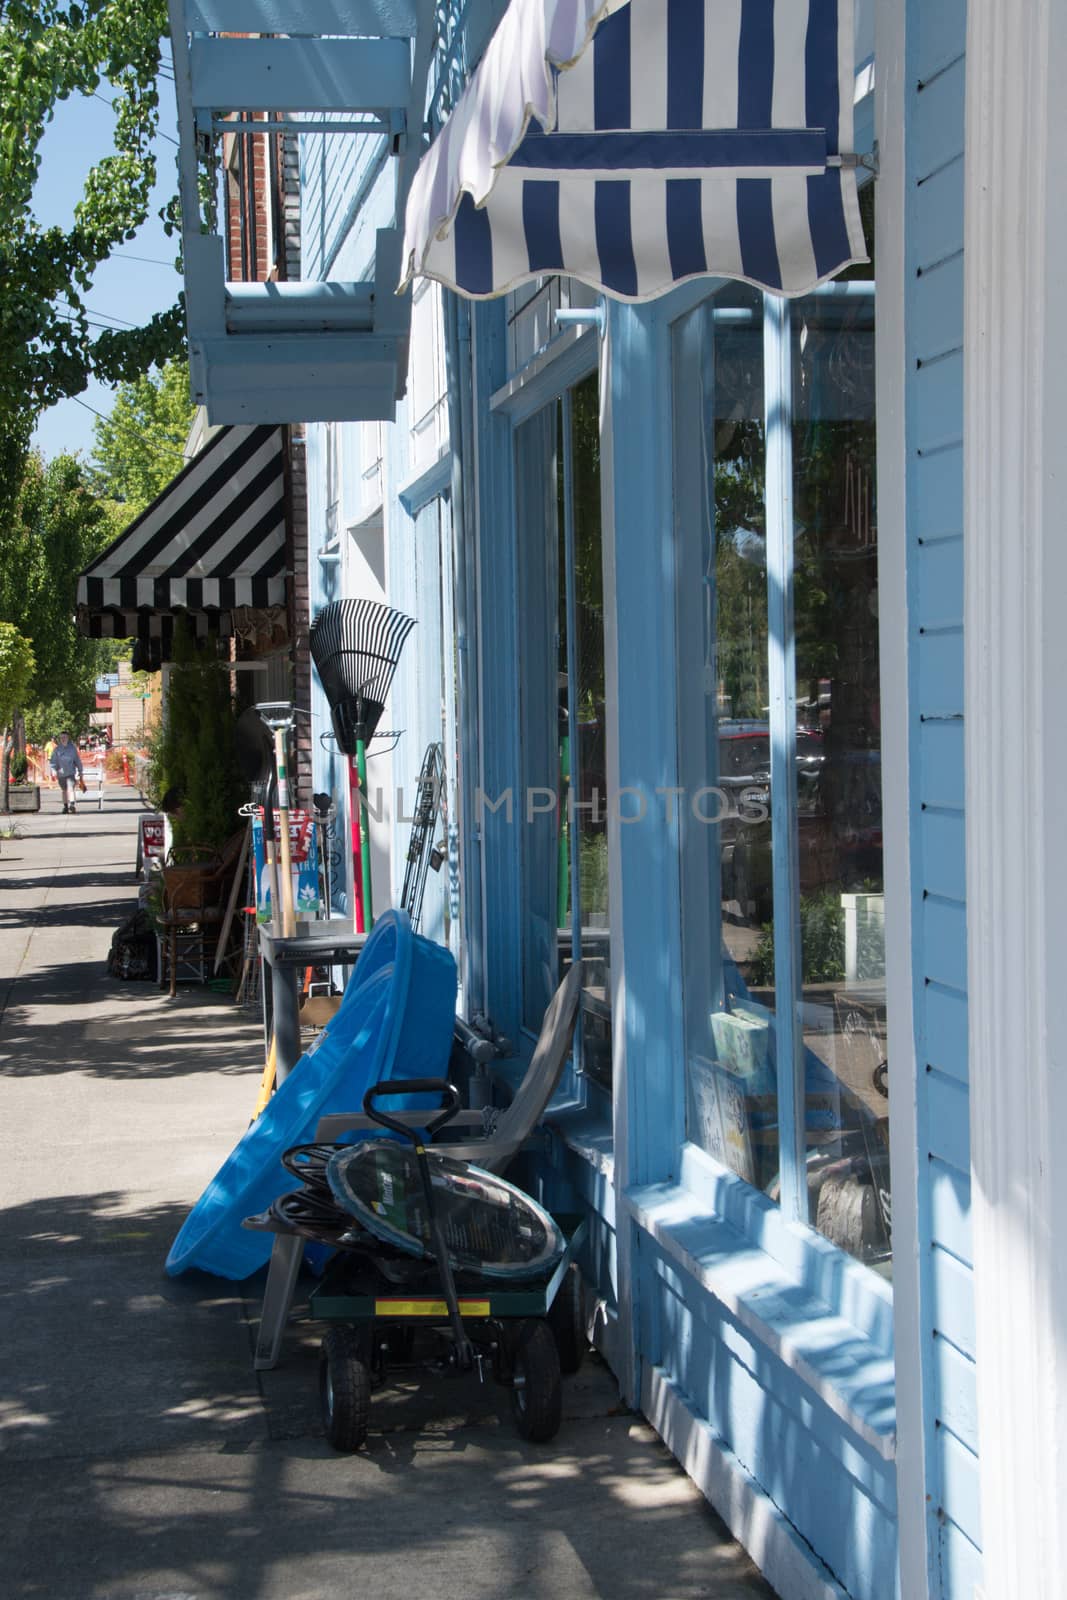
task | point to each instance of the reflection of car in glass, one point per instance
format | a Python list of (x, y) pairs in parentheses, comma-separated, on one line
[(744, 776), (839, 815)]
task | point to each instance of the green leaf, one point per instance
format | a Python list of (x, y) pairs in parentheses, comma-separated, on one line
[(47, 55)]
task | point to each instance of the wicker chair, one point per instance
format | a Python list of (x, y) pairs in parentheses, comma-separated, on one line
[(196, 886)]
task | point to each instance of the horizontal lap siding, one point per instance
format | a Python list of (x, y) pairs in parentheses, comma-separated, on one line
[(834, 1488), (934, 318), (331, 168), (341, 162), (312, 201)]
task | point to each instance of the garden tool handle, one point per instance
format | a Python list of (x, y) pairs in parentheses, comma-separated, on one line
[(284, 848), (270, 854), (412, 1086)]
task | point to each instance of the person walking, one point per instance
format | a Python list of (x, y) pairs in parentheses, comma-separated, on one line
[(66, 763)]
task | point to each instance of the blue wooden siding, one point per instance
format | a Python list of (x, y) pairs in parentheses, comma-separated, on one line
[(334, 241), (415, 699), (934, 320), (834, 1487)]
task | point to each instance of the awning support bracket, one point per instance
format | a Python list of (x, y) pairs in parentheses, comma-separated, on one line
[(854, 161)]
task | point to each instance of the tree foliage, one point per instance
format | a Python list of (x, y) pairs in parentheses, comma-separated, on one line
[(55, 528), (50, 50), (16, 671), (62, 514), (43, 719), (138, 449)]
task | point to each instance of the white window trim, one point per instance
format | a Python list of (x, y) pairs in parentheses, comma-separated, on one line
[(1015, 650)]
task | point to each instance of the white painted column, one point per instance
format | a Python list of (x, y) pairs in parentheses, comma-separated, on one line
[(1015, 521)]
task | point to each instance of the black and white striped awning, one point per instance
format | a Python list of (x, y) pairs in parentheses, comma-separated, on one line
[(212, 542), (637, 143)]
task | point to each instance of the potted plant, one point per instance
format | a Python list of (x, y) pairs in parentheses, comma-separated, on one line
[(22, 795)]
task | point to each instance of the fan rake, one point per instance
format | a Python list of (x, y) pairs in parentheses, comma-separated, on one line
[(356, 646)]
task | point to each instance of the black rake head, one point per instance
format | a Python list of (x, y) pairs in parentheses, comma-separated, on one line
[(356, 645)]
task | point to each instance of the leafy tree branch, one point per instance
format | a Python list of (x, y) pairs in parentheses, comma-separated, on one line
[(137, 450), (48, 52)]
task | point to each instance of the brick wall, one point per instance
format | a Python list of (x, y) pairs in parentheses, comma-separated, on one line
[(288, 171), (262, 220), (262, 230)]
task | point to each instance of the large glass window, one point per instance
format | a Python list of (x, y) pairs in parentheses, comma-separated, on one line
[(724, 733), (840, 1012), (562, 809), (779, 701)]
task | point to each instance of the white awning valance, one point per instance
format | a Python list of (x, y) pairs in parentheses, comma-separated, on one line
[(636, 143)]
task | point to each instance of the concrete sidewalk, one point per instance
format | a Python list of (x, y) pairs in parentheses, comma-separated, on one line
[(141, 1458)]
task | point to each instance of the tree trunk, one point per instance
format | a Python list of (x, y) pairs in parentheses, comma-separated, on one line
[(5, 758)]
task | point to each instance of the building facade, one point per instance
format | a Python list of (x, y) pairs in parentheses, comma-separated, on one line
[(703, 585)]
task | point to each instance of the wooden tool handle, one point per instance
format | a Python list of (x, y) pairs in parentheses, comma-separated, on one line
[(284, 849)]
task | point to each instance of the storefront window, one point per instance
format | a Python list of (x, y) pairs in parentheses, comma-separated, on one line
[(562, 810), (779, 706), (841, 1009), (724, 746)]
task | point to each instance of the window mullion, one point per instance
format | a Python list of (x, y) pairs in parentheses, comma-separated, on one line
[(572, 670), (778, 403)]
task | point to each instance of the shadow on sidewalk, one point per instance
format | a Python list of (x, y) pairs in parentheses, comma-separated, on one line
[(146, 1464), (134, 1032), (106, 914)]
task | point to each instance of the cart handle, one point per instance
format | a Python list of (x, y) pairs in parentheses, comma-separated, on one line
[(413, 1086)]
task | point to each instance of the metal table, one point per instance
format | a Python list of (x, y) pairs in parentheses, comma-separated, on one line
[(315, 944)]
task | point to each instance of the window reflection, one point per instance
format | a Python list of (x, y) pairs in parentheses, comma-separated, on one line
[(585, 834), (564, 804), (841, 1007), (724, 743), (825, 894)]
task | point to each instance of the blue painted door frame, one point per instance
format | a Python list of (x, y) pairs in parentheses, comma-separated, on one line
[(646, 915), (493, 825)]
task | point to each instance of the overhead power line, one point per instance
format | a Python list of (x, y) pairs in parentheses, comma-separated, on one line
[(88, 407), (94, 322), (152, 261), (159, 131), (179, 455), (108, 316)]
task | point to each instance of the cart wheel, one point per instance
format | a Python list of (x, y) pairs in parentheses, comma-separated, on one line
[(567, 1322), (536, 1393), (344, 1389)]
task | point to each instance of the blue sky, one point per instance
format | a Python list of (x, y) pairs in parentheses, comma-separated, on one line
[(126, 289)]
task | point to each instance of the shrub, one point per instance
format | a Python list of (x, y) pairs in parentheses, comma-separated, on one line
[(193, 755), (822, 942)]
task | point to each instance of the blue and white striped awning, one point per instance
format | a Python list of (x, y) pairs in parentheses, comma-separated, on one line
[(636, 143)]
